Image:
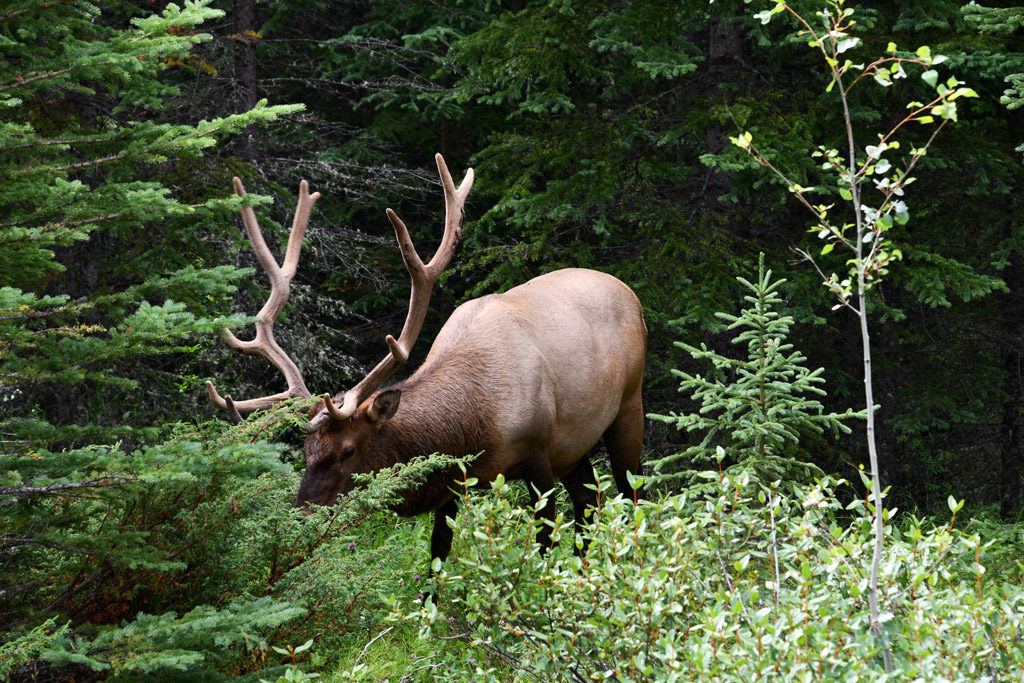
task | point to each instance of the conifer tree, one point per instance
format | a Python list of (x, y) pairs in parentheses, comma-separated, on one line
[(755, 409), (90, 173)]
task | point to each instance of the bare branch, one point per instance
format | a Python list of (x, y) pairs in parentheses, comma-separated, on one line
[(21, 493)]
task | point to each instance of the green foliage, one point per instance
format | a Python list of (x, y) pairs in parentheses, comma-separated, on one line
[(599, 132), (866, 239), (66, 177), (85, 162), (130, 546), (14, 653), (853, 172), (579, 170), (1001, 21), (199, 563), (756, 408), (153, 643), (746, 581)]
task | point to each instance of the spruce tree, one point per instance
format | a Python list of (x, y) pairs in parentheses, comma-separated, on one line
[(91, 292), (756, 409)]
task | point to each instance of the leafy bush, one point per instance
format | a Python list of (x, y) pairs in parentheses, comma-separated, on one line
[(751, 581)]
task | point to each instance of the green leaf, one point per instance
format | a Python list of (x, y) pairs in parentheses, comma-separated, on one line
[(931, 77), (847, 44), (963, 92)]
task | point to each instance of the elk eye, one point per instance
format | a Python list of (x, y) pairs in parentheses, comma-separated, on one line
[(347, 452)]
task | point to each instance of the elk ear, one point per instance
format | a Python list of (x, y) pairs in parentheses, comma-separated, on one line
[(384, 406)]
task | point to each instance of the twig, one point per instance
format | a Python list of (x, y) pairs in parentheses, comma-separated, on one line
[(372, 641)]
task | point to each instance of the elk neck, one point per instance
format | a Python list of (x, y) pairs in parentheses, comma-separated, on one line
[(445, 408)]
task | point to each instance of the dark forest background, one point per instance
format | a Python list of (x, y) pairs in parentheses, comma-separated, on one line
[(599, 133)]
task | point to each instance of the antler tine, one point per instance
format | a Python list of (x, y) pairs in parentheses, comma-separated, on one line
[(423, 279), (454, 201), (264, 344)]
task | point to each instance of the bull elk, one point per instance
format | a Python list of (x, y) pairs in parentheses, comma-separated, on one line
[(531, 379)]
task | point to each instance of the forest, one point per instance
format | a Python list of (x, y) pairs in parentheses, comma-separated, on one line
[(816, 202)]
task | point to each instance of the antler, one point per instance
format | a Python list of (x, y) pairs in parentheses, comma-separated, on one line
[(423, 279), (280, 280)]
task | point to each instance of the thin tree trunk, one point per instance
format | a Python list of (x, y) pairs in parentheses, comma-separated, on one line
[(869, 398), (876, 484), (1011, 456), (244, 12)]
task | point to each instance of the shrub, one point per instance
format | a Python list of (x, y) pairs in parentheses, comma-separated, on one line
[(748, 581), (207, 565)]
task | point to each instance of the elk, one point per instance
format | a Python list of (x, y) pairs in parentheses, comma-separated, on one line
[(530, 379)]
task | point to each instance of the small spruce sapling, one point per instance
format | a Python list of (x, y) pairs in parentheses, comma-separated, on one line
[(754, 407)]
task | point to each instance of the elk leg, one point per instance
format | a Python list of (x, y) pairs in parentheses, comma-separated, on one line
[(441, 536), (583, 498), (440, 543), (541, 480), (624, 439)]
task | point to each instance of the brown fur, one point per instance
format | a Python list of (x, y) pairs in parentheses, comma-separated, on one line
[(448, 413)]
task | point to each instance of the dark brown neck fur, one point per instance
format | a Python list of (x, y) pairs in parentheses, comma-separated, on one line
[(445, 408)]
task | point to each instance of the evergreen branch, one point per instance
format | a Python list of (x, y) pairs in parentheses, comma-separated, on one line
[(44, 5), (14, 381), (20, 493), (25, 81), (44, 314), (93, 162), (78, 586), (193, 135), (10, 542), (51, 143), (56, 226)]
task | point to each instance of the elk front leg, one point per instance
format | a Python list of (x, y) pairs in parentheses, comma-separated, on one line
[(441, 536)]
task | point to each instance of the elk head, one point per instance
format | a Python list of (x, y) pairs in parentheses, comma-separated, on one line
[(342, 430)]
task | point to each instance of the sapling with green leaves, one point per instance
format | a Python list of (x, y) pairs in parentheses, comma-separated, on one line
[(870, 180), (755, 407)]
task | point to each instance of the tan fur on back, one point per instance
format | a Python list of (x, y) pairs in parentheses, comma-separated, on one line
[(562, 352)]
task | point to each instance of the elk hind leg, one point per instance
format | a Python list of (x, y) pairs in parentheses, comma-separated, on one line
[(584, 498), (541, 481), (624, 440)]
